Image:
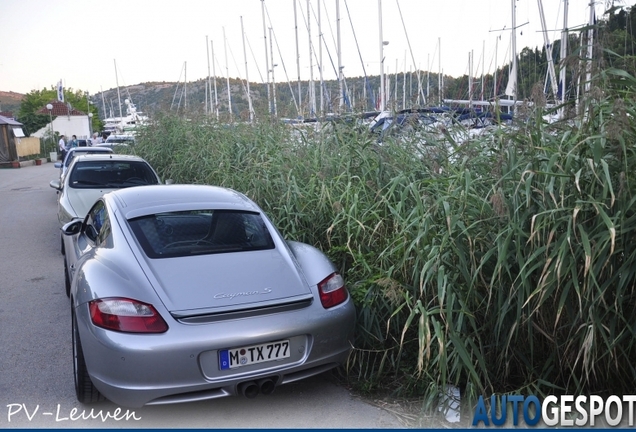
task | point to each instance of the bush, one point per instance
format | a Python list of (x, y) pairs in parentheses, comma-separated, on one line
[(502, 263)]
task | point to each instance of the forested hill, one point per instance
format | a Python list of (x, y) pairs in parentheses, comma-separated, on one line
[(10, 101)]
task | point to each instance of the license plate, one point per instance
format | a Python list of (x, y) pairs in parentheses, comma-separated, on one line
[(244, 356)]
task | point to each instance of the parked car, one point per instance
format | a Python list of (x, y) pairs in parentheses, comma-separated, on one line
[(188, 292), (114, 141), (90, 176), (75, 151)]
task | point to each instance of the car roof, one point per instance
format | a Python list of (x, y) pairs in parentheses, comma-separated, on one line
[(145, 200), (89, 149), (124, 137), (108, 156), (78, 151), (109, 145)]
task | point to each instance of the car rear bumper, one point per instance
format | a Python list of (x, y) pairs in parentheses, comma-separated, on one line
[(181, 365), (138, 397)]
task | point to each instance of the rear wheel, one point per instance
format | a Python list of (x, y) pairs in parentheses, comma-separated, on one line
[(67, 280), (84, 389)]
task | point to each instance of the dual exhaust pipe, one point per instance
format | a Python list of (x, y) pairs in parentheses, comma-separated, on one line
[(250, 389)]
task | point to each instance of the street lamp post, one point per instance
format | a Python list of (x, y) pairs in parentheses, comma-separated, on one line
[(50, 108), (90, 126)]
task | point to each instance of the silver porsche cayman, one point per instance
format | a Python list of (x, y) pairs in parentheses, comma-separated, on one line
[(183, 293)]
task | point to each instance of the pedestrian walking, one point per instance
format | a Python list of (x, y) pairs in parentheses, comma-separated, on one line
[(62, 146)]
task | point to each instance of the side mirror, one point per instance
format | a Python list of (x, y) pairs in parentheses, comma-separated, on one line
[(55, 184), (169, 181), (57, 164), (73, 227)]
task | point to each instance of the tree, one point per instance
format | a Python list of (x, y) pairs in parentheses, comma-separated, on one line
[(33, 102)]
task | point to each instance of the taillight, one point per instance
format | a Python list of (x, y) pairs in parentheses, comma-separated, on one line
[(332, 291), (126, 315)]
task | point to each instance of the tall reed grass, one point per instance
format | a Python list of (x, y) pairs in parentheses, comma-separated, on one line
[(503, 263)]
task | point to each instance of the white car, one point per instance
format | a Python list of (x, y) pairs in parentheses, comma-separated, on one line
[(91, 176)]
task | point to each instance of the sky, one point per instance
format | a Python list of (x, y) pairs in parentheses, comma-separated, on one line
[(93, 45)]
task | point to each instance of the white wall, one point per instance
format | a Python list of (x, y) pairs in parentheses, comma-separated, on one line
[(68, 125)]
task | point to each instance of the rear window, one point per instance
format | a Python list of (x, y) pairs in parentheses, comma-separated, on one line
[(177, 234), (111, 174), (74, 153), (120, 140)]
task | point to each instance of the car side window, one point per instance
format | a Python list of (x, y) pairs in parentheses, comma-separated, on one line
[(69, 158), (98, 225)]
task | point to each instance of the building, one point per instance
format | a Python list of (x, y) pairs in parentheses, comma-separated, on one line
[(10, 130), (65, 121)]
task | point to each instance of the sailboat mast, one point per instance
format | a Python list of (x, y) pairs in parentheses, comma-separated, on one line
[(404, 84), (269, 94), (300, 92), (494, 78), (439, 74), (227, 75), (590, 49), (271, 53), (103, 102), (564, 53), (341, 98), (428, 74), (247, 78), (382, 91), (395, 95), (322, 101), (216, 99), (118, 95), (408, 42), (208, 89), (483, 65), (312, 90), (470, 79), (514, 50), (387, 87), (548, 50)]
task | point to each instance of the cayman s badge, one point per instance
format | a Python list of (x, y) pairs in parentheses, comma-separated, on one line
[(242, 294)]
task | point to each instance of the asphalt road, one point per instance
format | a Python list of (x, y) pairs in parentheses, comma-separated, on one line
[(36, 371)]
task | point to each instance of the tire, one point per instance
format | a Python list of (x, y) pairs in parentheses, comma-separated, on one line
[(67, 280), (62, 250), (84, 389)]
